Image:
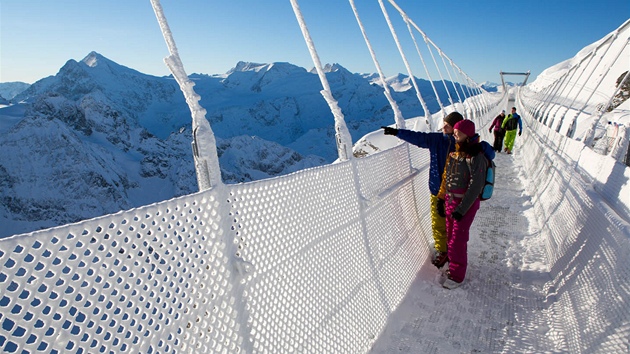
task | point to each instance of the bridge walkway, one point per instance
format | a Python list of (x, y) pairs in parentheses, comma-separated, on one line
[(503, 305)]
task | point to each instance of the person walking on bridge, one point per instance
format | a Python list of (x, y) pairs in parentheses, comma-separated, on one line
[(499, 133), (439, 145), (510, 124)]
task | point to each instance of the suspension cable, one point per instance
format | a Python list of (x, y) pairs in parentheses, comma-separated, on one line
[(427, 41), (590, 136), (204, 143), (442, 55), (400, 122), (601, 78), (342, 135), (404, 58), (426, 70)]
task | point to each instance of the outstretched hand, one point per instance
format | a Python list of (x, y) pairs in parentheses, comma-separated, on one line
[(390, 131)]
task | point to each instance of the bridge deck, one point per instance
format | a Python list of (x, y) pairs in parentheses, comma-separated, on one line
[(502, 306)]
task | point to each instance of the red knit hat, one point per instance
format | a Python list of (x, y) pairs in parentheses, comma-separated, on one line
[(466, 126)]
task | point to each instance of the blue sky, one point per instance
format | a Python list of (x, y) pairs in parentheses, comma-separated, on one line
[(482, 37)]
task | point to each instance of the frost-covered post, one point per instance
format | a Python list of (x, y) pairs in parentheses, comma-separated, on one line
[(342, 135), (204, 143), (589, 135)]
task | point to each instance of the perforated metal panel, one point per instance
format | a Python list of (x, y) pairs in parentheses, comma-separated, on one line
[(154, 279), (315, 261), (587, 247), (310, 262)]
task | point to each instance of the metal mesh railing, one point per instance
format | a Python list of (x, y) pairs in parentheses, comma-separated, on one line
[(294, 263), (315, 261), (588, 245)]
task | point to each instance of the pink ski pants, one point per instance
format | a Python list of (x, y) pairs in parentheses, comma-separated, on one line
[(457, 233)]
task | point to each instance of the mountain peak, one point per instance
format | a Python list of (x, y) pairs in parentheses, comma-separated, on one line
[(248, 66), (100, 65), (243, 66), (93, 59), (331, 68)]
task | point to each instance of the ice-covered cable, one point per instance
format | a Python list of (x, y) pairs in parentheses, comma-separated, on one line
[(343, 138), (400, 122), (429, 43), (589, 135), (407, 66), (424, 64), (448, 93), (204, 142), (601, 78), (450, 76)]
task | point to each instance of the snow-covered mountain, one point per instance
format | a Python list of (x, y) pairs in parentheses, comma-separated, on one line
[(8, 90), (491, 86), (495, 87), (99, 137)]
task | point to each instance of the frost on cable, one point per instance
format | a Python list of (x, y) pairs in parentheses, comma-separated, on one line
[(204, 142)]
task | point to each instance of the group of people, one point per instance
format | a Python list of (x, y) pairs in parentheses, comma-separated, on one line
[(458, 163), (505, 130)]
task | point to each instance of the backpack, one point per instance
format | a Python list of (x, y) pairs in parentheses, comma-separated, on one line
[(488, 187)]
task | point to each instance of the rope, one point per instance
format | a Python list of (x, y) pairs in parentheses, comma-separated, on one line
[(204, 143), (400, 122), (426, 70), (601, 78), (442, 55), (342, 135), (404, 58)]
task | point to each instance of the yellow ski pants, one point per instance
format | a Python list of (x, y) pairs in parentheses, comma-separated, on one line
[(438, 224)]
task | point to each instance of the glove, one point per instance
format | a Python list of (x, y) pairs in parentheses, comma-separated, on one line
[(519, 133), (490, 130), (440, 208), (457, 215), (390, 131)]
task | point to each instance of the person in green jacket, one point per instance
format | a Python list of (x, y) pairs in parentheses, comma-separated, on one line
[(510, 124)]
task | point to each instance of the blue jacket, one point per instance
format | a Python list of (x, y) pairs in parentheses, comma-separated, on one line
[(488, 150), (439, 145)]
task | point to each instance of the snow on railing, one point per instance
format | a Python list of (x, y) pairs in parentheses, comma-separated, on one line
[(582, 204), (314, 261), (310, 262), (576, 103)]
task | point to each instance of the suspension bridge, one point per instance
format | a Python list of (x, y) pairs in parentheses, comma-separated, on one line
[(336, 259)]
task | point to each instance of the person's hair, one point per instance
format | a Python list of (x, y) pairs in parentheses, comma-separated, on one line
[(452, 118), (514, 108)]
